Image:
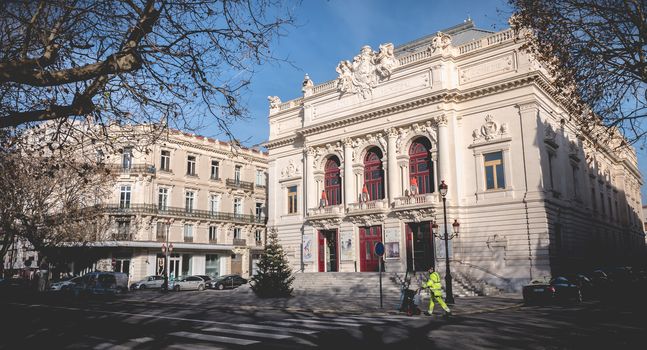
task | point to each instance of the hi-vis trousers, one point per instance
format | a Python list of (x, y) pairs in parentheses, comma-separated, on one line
[(439, 300)]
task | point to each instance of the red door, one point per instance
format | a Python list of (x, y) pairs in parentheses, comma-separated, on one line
[(322, 252), (368, 236)]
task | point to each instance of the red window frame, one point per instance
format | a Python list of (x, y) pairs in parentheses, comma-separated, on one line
[(374, 174), (421, 166), (332, 181)]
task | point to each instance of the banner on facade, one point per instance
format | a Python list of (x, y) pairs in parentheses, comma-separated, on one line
[(347, 246), (307, 248), (392, 243)]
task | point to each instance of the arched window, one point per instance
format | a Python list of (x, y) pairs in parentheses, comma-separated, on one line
[(332, 181), (374, 174), (420, 165)]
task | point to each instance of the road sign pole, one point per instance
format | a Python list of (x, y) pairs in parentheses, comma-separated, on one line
[(380, 282), (379, 251)]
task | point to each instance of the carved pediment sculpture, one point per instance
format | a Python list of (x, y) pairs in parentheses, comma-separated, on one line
[(291, 170), (489, 130), (366, 71), (549, 133), (275, 101), (440, 42)]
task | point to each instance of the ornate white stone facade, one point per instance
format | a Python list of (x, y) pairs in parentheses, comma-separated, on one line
[(562, 202)]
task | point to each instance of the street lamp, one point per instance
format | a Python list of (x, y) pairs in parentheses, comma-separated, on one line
[(167, 249), (455, 226)]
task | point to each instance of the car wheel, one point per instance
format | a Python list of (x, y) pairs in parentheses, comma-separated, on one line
[(221, 287), (201, 288), (176, 288), (142, 287)]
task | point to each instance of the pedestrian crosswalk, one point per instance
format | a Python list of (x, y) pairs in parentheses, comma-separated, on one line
[(291, 332)]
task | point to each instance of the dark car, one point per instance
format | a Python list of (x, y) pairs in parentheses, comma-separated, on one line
[(558, 289), (207, 280), (14, 286), (228, 281)]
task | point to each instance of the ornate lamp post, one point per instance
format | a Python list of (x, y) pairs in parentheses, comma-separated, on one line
[(455, 226)]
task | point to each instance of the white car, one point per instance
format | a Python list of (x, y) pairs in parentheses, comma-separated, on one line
[(66, 285), (148, 282), (187, 283)]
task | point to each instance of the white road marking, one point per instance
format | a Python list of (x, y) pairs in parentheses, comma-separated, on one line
[(312, 326), (279, 329), (214, 338), (331, 321), (247, 333)]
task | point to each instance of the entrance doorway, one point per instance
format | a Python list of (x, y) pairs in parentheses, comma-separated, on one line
[(420, 246), (368, 236), (174, 265), (328, 258)]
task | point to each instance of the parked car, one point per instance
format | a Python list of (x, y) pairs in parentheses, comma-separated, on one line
[(558, 289), (99, 282), (14, 286), (187, 283), (148, 282), (207, 280), (228, 281), (65, 285)]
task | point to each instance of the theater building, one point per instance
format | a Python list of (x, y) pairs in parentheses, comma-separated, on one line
[(360, 159)]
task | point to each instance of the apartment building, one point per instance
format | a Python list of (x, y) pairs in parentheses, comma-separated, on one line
[(200, 200)]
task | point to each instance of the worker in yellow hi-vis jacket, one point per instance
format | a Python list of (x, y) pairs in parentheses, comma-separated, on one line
[(433, 283)]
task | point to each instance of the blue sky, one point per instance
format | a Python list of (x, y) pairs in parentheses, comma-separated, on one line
[(328, 31)]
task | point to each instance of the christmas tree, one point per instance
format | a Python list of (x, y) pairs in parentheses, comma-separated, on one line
[(274, 275)]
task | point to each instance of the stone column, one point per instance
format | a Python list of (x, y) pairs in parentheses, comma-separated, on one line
[(392, 166), (309, 180), (443, 151), (349, 177)]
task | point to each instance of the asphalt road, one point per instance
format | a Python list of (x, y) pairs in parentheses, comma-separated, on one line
[(118, 324)]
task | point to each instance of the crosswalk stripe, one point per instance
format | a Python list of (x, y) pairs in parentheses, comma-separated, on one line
[(278, 329), (369, 321), (247, 333), (320, 321), (312, 326), (214, 338)]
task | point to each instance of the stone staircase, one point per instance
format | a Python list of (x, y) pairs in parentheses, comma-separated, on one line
[(366, 284)]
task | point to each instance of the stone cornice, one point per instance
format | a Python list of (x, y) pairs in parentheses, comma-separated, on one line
[(453, 95), (280, 142), (209, 148)]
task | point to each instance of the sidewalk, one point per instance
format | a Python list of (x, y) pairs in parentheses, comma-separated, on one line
[(244, 299)]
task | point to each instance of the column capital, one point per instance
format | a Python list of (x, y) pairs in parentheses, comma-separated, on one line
[(347, 141), (310, 151), (391, 132), (441, 120)]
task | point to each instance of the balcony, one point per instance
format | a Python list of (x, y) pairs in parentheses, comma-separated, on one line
[(240, 242), (122, 236), (213, 241), (378, 205), (132, 169), (327, 211), (238, 184), (188, 239), (259, 243), (417, 201), (152, 209)]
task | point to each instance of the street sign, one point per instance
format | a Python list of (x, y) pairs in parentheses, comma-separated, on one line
[(379, 248)]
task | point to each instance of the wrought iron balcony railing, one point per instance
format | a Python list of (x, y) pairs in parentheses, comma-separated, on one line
[(132, 169), (240, 241), (244, 185), (153, 209)]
